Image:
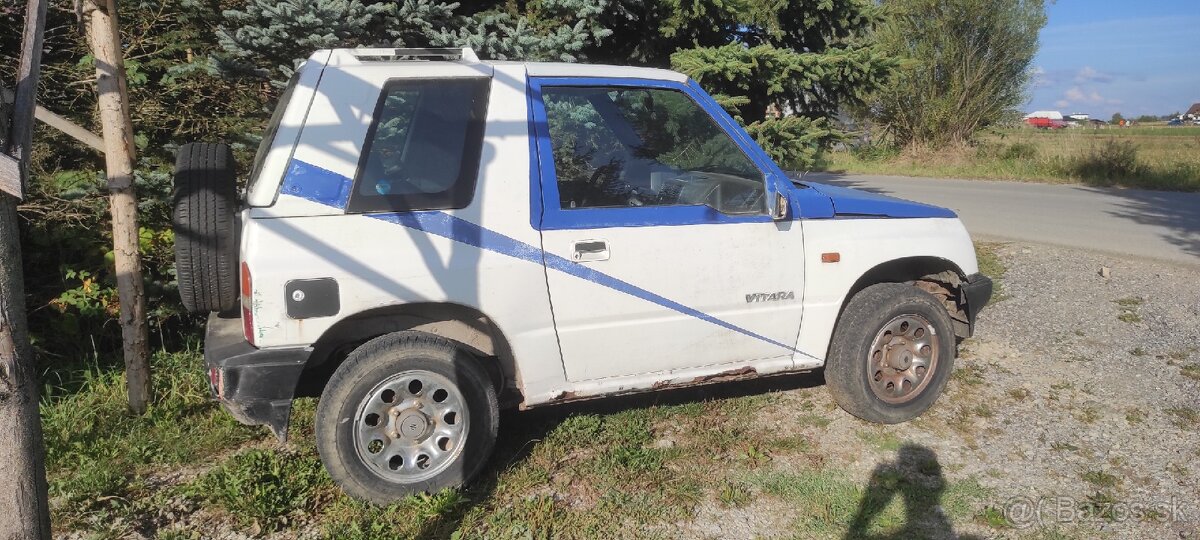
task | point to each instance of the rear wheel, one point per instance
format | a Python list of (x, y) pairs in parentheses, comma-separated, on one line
[(406, 413), (892, 353)]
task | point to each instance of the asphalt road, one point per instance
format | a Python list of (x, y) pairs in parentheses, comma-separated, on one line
[(1153, 224)]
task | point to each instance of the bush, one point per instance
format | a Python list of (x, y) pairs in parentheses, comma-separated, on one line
[(1113, 160), (1020, 151), (876, 151)]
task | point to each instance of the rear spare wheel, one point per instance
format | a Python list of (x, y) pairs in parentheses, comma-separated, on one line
[(204, 218)]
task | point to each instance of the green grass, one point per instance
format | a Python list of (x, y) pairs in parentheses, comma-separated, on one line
[(583, 471), (98, 454), (1144, 157), (827, 503), (990, 265)]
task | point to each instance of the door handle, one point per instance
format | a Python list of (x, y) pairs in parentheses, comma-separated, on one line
[(590, 250)]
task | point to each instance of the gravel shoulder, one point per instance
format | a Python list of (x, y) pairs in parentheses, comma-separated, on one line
[(1074, 409)]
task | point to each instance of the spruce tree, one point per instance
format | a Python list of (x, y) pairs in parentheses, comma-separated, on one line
[(786, 72)]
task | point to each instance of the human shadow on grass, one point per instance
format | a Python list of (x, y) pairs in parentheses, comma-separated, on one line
[(522, 431), (915, 477)]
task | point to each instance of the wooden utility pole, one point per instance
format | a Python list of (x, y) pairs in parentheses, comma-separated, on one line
[(105, 39), (24, 511)]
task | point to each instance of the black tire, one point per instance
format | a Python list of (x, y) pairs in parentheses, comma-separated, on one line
[(204, 217), (357, 380), (850, 367)]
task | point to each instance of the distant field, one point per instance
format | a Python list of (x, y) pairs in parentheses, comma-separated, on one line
[(1150, 157)]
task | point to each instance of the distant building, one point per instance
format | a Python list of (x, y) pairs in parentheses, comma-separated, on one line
[(1078, 117), (1193, 112), (1052, 115)]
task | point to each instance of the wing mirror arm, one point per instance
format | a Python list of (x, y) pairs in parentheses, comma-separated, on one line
[(779, 207)]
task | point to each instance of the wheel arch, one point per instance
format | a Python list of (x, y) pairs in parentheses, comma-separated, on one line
[(464, 325), (938, 276)]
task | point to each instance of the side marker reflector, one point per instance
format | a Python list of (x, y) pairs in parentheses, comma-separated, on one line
[(831, 257)]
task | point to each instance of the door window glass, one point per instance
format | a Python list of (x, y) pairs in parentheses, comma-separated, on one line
[(623, 147)]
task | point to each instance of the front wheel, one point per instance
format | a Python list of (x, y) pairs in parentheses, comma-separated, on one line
[(892, 353), (406, 413)]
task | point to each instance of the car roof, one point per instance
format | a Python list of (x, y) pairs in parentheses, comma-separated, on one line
[(465, 56)]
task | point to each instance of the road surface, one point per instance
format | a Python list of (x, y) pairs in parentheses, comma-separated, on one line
[(1153, 224)]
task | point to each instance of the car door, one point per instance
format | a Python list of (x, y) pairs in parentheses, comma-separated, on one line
[(659, 249)]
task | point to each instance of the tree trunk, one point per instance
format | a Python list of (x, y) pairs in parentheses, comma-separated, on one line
[(24, 511), (104, 36)]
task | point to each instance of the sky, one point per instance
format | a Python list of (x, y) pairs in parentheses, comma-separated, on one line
[(1130, 56)]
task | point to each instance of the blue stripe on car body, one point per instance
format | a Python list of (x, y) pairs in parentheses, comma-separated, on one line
[(459, 230), (316, 184)]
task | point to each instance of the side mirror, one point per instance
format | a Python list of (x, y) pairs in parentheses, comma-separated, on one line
[(779, 210)]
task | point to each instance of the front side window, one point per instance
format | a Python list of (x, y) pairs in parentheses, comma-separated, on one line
[(630, 147), (422, 150)]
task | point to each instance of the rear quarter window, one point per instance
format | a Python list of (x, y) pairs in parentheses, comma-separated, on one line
[(422, 149)]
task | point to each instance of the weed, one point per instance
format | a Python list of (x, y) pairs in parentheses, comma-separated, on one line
[(756, 456), (968, 374), (1063, 447), (983, 410), (1019, 394), (1099, 504), (262, 486), (1184, 417), (1129, 302), (1179, 355), (1191, 371), (1129, 317), (1138, 351), (733, 495), (1087, 415), (994, 517), (1135, 415), (1100, 478)]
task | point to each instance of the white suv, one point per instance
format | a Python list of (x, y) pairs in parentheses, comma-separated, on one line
[(426, 238)]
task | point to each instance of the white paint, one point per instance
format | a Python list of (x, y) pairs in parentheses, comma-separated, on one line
[(611, 342), (711, 268)]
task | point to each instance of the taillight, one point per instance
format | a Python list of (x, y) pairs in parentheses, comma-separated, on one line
[(247, 313)]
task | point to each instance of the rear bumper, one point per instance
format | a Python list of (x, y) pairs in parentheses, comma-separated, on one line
[(255, 385), (978, 291)]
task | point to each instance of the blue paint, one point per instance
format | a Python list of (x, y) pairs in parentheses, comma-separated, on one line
[(544, 182), (852, 202), (460, 230), (316, 184), (534, 94)]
